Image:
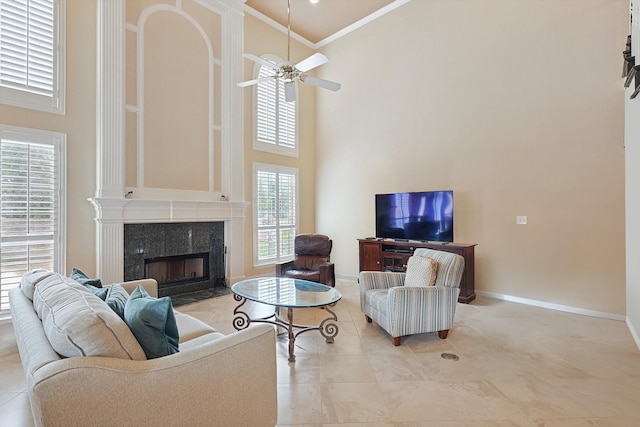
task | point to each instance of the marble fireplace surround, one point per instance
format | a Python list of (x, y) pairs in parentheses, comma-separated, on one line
[(172, 247)]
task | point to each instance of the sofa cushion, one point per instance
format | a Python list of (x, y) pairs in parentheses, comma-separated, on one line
[(377, 298), (116, 298), (421, 271), (30, 279), (153, 323), (83, 279), (190, 328), (202, 339), (78, 323)]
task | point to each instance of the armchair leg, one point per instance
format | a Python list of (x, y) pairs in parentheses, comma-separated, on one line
[(396, 341), (368, 319), (443, 334)]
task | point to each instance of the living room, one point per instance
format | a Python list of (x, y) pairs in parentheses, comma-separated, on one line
[(516, 106)]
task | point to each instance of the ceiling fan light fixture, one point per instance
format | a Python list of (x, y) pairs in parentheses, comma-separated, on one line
[(289, 72)]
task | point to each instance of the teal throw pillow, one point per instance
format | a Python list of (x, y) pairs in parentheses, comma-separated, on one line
[(152, 322), (99, 292), (116, 298), (83, 279)]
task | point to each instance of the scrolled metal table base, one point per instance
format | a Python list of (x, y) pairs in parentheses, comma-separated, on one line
[(328, 328)]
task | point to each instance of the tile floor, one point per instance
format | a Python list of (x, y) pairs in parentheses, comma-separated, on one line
[(518, 366)]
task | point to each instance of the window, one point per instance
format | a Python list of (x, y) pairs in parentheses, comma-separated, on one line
[(32, 54), (275, 119), (32, 202), (275, 210)]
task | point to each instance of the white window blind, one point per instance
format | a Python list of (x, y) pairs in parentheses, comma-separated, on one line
[(275, 213), (31, 210), (31, 54), (275, 119)]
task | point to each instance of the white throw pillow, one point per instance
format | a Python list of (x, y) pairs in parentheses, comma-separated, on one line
[(78, 323), (30, 280), (421, 271)]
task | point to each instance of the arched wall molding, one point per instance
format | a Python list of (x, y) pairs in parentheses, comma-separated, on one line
[(112, 209), (212, 127)]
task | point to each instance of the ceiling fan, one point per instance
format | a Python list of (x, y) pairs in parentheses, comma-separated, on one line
[(288, 72)]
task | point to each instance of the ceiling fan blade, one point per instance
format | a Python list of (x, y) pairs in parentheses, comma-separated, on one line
[(289, 91), (254, 81), (326, 84), (313, 61), (261, 61)]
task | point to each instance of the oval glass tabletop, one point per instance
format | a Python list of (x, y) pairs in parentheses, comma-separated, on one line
[(285, 292)]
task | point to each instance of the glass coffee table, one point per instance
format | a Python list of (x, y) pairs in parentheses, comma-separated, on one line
[(282, 292)]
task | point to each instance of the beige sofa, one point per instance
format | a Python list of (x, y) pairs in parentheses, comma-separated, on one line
[(214, 380)]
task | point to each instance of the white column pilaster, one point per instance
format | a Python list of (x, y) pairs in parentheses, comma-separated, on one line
[(110, 126), (232, 102), (110, 131), (109, 239)]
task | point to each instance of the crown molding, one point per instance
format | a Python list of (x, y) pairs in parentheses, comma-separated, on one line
[(335, 36), (364, 21)]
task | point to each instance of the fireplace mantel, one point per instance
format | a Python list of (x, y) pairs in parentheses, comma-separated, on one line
[(112, 214), (141, 211)]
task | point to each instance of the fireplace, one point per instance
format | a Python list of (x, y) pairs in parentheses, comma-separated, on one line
[(171, 272), (182, 257)]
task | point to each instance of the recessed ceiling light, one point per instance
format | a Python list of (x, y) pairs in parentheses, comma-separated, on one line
[(314, 1)]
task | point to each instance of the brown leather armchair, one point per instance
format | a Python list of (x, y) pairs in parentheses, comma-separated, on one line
[(312, 260)]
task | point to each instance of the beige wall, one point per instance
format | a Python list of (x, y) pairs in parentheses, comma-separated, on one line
[(260, 39), (632, 159), (517, 107), (79, 125)]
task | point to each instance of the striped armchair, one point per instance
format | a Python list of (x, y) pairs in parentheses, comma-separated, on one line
[(401, 310)]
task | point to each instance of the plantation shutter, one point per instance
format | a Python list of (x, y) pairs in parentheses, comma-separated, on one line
[(27, 46), (28, 210), (276, 212), (287, 213), (275, 118), (266, 215)]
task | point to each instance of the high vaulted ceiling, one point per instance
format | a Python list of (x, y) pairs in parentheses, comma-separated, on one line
[(321, 22)]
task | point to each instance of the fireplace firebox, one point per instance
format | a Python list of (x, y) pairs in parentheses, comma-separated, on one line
[(178, 268)]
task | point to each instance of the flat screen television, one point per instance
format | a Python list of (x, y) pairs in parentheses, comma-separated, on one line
[(424, 215)]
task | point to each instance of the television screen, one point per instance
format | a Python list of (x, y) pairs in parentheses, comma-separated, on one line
[(426, 215)]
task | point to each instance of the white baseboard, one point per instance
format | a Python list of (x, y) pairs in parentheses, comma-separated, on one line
[(346, 277), (634, 333), (552, 306)]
